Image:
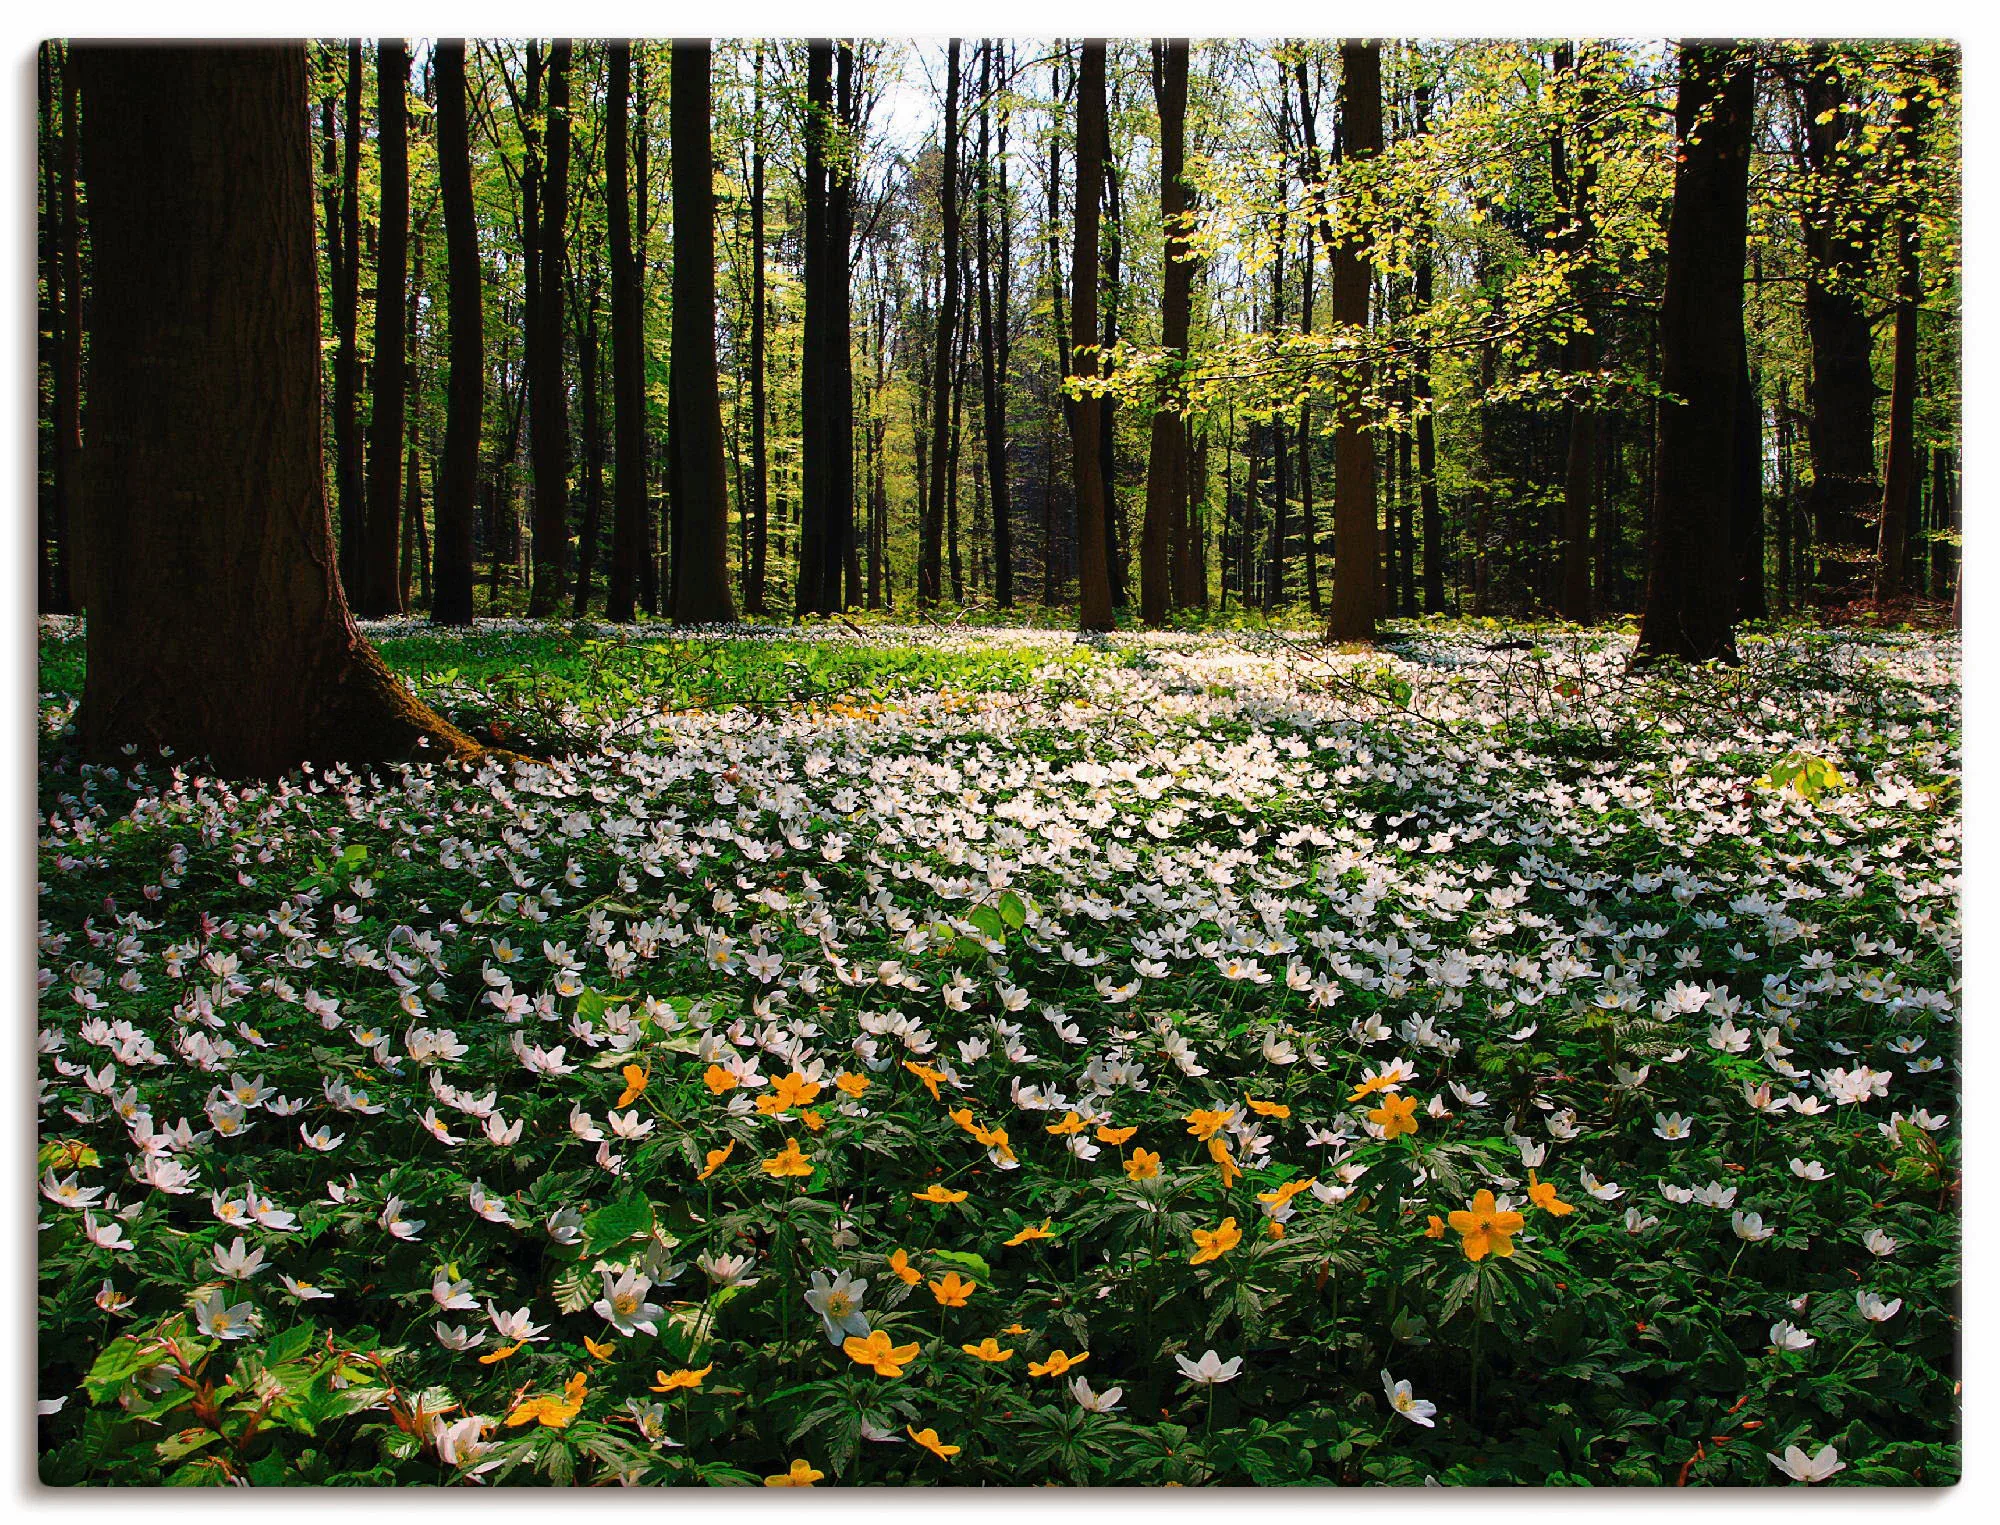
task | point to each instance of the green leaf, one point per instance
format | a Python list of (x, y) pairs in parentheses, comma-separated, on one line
[(618, 1221), (120, 1360), (1012, 911), (962, 1260), (988, 921)]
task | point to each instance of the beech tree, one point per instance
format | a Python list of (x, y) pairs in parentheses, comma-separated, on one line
[(1086, 411), (217, 621), (1691, 587), (458, 479), (1356, 599)]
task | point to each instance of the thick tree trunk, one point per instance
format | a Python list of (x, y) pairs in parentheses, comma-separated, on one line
[(378, 594), (1117, 541), (62, 584), (458, 477), (218, 627), (644, 205), (628, 361), (1166, 462), (1691, 587), (590, 399), (1086, 413), (1746, 504), (1357, 595), (1840, 240), (930, 554), (700, 480), (815, 400), (840, 336), (1900, 472), (548, 397)]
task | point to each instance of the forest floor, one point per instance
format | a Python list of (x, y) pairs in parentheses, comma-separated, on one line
[(925, 1055)]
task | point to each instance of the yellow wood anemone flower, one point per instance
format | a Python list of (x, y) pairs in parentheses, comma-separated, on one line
[(679, 1381), (1396, 1116), (787, 1092), (788, 1161), (718, 1080), (928, 1439), (1057, 1363), (1370, 1086), (1486, 1230), (1115, 1137), (1543, 1195), (851, 1085), (501, 1354), (1203, 1124), (1214, 1243), (900, 1264), (635, 1085), (715, 1160), (554, 1413), (988, 1349), (1285, 1193), (927, 1075), (880, 1353), (953, 1291), (802, 1475), (939, 1194), (1143, 1165), (603, 1352), (1072, 1123), (1032, 1232), (1275, 1109), (1218, 1150)]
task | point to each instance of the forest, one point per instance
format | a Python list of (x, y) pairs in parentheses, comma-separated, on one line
[(998, 761)]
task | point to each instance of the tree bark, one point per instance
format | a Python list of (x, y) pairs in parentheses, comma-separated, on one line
[(219, 627), (1086, 412), (628, 362), (1356, 599), (378, 595), (757, 510), (993, 336), (700, 482), (1746, 507), (548, 397), (349, 475), (458, 478), (1577, 177), (1690, 586), (930, 569), (66, 345), (1840, 245), (1900, 472), (1166, 462)]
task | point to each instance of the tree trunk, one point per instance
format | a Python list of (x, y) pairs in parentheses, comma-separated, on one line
[(757, 510), (378, 594), (930, 568), (458, 480), (1900, 473), (815, 399), (992, 338), (591, 404), (548, 396), (1356, 602), (1840, 249), (1086, 412), (647, 548), (1577, 179), (1746, 508), (700, 481), (219, 627), (1690, 585), (628, 360), (66, 359), (349, 476), (1166, 462)]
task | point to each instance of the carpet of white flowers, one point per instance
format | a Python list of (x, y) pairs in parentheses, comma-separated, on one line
[(1209, 1060)]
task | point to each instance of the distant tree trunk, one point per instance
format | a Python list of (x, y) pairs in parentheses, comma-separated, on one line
[(930, 563), (591, 404), (992, 336), (458, 480), (648, 551), (1166, 462), (378, 595), (1435, 556), (1086, 412), (1575, 182), (1308, 512), (411, 535), (548, 396), (1787, 579), (953, 563), (700, 479), (628, 359), (815, 401), (1746, 507), (1281, 473), (349, 476), (1356, 602), (757, 510), (1690, 585), (1117, 542), (1900, 476), (218, 628), (1840, 250), (841, 568)]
